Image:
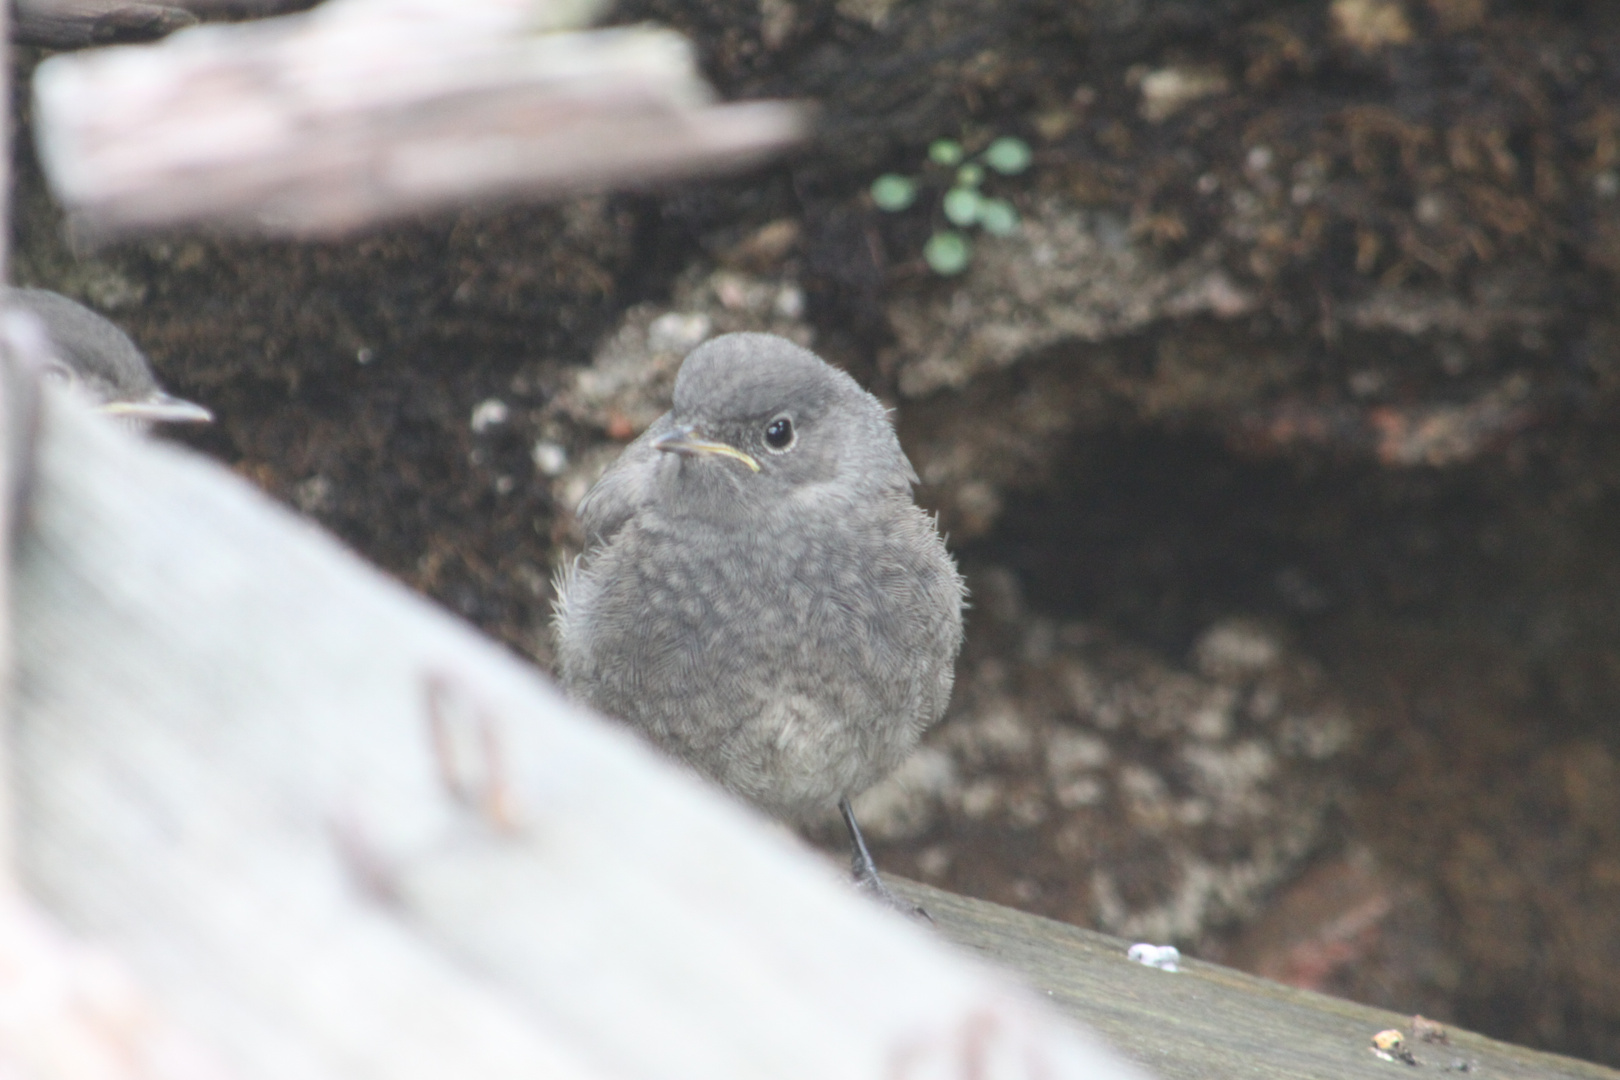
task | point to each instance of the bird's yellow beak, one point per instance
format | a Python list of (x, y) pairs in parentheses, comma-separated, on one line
[(685, 442)]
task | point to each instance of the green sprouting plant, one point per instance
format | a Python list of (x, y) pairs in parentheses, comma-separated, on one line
[(965, 205)]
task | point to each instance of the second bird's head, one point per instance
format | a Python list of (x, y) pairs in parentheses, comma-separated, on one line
[(84, 351)]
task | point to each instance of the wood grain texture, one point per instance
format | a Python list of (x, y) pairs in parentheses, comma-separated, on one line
[(75, 24), (1210, 1021), (362, 110), (334, 832)]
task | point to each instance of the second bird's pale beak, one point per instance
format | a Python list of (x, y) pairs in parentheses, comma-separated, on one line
[(686, 442), (158, 408)]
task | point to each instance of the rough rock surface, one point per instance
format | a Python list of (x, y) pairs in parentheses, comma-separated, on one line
[(1089, 779), (1067, 275)]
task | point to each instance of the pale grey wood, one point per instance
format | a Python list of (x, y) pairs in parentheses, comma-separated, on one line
[(75, 24), (19, 412), (22, 349), (1209, 1021), (335, 832), (242, 9), (69, 1010), (359, 110)]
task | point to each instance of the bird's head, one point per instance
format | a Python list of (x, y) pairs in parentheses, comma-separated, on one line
[(82, 350), (757, 416)]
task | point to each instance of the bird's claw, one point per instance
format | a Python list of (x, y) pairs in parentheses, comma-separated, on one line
[(873, 886)]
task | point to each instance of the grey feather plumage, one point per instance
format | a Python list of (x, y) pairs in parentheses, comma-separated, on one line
[(789, 630), (99, 360)]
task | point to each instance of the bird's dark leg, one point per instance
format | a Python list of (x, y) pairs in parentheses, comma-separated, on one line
[(865, 871)]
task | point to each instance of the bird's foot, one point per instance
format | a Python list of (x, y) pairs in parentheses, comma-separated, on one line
[(865, 872), (873, 886)]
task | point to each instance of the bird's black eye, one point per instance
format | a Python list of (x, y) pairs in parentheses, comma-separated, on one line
[(779, 433)]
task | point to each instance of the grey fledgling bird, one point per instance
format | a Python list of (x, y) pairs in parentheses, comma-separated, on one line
[(759, 593), (86, 351)]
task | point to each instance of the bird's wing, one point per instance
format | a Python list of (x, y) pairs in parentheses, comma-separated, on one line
[(623, 488)]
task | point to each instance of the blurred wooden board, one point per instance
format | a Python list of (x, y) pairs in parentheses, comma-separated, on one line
[(332, 832), (1209, 1021), (361, 111)]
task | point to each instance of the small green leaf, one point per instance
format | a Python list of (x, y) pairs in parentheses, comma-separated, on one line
[(947, 253), (946, 152), (997, 217), (970, 175), (1008, 156), (893, 192), (962, 206)]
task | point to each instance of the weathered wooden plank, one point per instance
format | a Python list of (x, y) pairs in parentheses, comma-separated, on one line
[(1210, 1021), (75, 24), (334, 832), (360, 110), (78, 24)]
